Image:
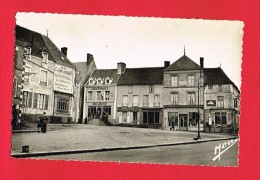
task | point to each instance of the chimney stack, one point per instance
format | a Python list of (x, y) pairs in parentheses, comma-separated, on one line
[(64, 51), (121, 67), (90, 58), (201, 62), (166, 64)]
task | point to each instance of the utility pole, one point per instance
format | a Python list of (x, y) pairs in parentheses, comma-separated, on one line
[(201, 66)]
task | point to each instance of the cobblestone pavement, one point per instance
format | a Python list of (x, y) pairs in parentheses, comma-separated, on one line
[(78, 137)]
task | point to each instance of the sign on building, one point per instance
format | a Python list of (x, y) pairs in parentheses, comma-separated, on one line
[(63, 79)]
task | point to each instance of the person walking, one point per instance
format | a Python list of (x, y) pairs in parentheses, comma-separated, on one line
[(44, 120)]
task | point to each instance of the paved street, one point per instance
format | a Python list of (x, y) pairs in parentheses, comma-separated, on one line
[(199, 154)]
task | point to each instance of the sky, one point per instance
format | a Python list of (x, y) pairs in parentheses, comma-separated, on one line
[(142, 41)]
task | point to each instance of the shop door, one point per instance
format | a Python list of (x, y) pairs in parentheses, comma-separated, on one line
[(134, 117), (183, 122)]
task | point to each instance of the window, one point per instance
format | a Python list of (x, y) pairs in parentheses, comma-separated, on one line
[(174, 81), (27, 99), (124, 116), (99, 81), (27, 71), (151, 117), (90, 95), (191, 98), (174, 98), (44, 57), (210, 86), (63, 105), (191, 81), (151, 89), (40, 101), (107, 80), (130, 89), (173, 119), (235, 102), (43, 78), (220, 102), (156, 100), (91, 81), (27, 53), (145, 100), (107, 95), (15, 87), (99, 96), (219, 88), (220, 118), (125, 100), (135, 100), (107, 109)]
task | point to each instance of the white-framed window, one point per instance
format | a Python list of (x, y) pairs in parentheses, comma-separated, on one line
[(99, 81), (27, 53), (27, 72), (43, 77), (90, 96), (191, 80), (191, 98), (130, 89), (174, 81), (40, 101), (125, 100), (174, 98), (62, 105), (156, 100), (107, 80), (135, 100), (27, 99), (45, 57), (220, 88), (15, 87), (107, 95), (220, 102), (99, 96), (151, 89), (146, 100)]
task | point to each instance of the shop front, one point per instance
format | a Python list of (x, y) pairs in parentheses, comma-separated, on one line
[(129, 115), (151, 117)]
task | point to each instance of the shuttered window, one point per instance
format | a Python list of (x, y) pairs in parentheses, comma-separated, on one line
[(40, 101), (27, 99)]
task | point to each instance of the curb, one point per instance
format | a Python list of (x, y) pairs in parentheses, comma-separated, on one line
[(37, 154)]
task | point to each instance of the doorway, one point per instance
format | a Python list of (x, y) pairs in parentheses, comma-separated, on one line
[(183, 125)]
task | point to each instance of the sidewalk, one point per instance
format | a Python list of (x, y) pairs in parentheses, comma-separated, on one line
[(86, 138)]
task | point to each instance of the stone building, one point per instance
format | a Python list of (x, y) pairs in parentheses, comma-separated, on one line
[(139, 97), (83, 72), (48, 77)]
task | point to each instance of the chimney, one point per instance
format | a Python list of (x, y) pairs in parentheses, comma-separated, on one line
[(90, 58), (64, 51), (121, 68), (166, 64), (201, 62)]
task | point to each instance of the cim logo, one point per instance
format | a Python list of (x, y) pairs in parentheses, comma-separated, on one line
[(221, 148)]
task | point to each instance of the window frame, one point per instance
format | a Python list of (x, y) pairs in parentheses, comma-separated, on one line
[(45, 56), (174, 81), (42, 82), (191, 82)]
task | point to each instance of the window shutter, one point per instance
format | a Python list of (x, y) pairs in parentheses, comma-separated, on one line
[(30, 100), (35, 100), (46, 101)]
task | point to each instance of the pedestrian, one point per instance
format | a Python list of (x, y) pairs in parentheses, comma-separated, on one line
[(44, 120), (210, 122), (173, 125)]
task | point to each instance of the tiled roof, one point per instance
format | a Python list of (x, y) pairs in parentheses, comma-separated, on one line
[(104, 73), (182, 64), (39, 42), (142, 76), (216, 76), (82, 69)]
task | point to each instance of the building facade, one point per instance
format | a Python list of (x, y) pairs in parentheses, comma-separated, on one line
[(47, 77)]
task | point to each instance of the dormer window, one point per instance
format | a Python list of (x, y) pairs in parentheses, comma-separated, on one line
[(91, 81), (45, 57), (27, 53), (99, 81), (108, 80)]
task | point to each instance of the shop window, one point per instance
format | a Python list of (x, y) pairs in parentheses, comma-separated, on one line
[(107, 95), (220, 102), (62, 105), (191, 98), (107, 109), (220, 118), (174, 98), (145, 117), (27, 99), (191, 80), (151, 89), (43, 78), (173, 119), (40, 101), (124, 116), (174, 81)]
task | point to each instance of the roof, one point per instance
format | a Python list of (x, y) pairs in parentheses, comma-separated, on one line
[(104, 73), (82, 69), (38, 43), (182, 64), (142, 76), (217, 76)]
